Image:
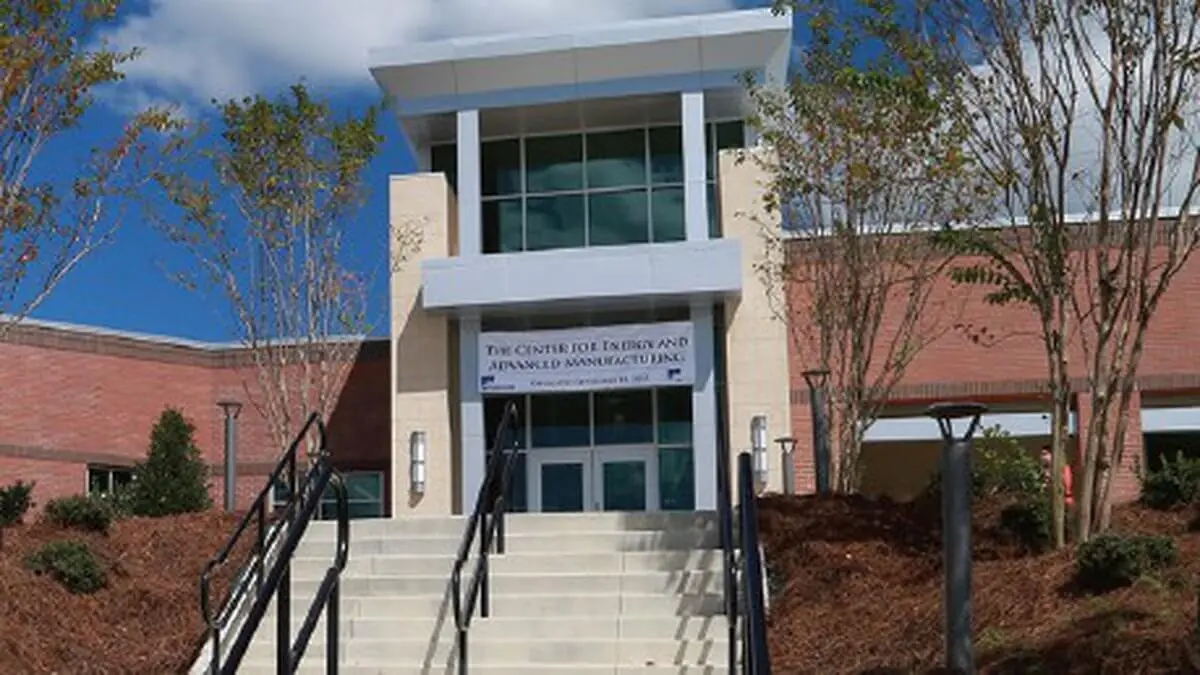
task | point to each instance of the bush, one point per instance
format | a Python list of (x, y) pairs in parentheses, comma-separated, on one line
[(1030, 523), (71, 563), (173, 479), (82, 512), (15, 501), (1175, 483), (1110, 561), (1000, 465), (119, 501)]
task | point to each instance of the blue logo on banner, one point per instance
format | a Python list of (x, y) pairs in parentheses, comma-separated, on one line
[(674, 373)]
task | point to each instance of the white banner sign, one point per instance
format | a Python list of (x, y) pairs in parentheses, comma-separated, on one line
[(586, 359)]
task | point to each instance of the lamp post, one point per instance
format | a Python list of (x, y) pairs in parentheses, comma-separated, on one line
[(232, 409), (758, 448), (817, 380), (787, 459), (956, 529)]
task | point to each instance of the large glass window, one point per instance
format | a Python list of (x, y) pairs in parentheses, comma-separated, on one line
[(602, 188)]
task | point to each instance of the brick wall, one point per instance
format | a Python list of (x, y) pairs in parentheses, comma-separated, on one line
[(74, 397), (994, 354)]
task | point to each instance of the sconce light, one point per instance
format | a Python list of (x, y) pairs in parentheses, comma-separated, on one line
[(758, 448), (418, 447)]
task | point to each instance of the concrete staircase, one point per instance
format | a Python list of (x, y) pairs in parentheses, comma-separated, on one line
[(610, 593)]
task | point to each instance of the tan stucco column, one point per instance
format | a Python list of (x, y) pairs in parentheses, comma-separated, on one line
[(422, 214), (756, 339)]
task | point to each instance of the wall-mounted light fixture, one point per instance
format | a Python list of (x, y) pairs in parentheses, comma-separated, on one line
[(418, 449), (758, 448)]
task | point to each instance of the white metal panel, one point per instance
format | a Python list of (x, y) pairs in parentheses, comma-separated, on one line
[(1170, 419), (926, 429)]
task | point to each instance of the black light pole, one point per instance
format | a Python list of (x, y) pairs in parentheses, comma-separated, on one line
[(232, 409), (816, 380), (787, 460), (956, 530)]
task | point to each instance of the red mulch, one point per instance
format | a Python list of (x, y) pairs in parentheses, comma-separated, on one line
[(861, 592), (146, 621)]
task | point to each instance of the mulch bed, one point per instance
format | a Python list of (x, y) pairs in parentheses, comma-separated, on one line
[(146, 621), (859, 591)]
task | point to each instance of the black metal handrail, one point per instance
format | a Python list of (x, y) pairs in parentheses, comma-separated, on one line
[(729, 553), (756, 658), (487, 520), (304, 499)]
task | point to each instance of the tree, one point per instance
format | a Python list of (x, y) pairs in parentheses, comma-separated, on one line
[(1040, 81), (15, 500), (174, 477), (861, 157), (266, 232), (55, 211)]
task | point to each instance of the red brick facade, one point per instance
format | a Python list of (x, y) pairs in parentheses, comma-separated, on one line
[(1008, 364), (74, 398)]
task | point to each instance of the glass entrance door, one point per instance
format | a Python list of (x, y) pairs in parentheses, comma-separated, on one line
[(586, 479), (626, 479), (559, 481)]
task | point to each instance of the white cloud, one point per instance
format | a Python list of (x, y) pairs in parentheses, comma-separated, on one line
[(195, 50)]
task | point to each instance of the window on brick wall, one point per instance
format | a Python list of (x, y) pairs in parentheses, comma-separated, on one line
[(103, 480)]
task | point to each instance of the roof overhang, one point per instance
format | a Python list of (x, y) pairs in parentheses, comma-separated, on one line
[(465, 73)]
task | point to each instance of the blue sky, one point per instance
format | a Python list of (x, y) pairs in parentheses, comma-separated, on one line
[(198, 49)]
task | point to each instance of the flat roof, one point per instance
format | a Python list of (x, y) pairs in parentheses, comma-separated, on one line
[(440, 76)]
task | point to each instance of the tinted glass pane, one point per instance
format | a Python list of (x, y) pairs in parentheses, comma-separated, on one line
[(444, 159), (97, 481), (500, 163), (624, 417), (616, 159), (502, 226), (668, 214), (364, 486), (616, 218), (560, 420), (714, 212), (554, 222), (676, 479), (674, 415), (723, 136), (666, 155), (493, 408), (562, 487), (553, 163), (624, 486), (517, 486)]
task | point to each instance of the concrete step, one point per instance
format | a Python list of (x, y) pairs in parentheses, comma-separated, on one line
[(532, 627), (529, 604), (504, 582), (316, 667), (627, 651), (514, 561), (519, 523), (549, 542)]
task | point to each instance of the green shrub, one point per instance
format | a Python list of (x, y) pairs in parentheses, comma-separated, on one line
[(174, 478), (1029, 522), (15, 501), (119, 501), (71, 563), (1001, 465), (1175, 483), (1110, 561), (82, 512)]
